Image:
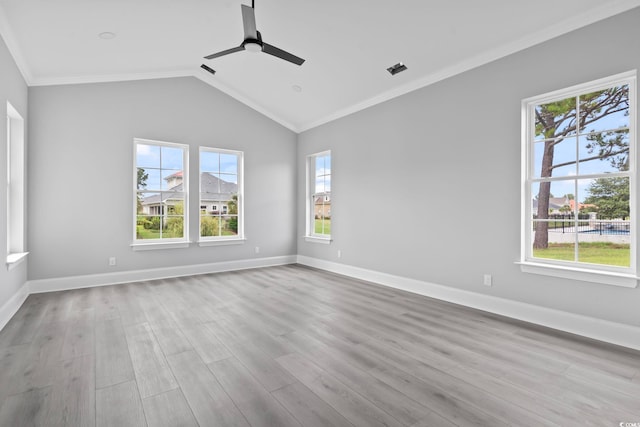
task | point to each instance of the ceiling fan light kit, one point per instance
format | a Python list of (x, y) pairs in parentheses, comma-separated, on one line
[(252, 46), (253, 40)]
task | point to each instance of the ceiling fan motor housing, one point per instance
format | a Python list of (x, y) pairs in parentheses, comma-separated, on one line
[(253, 40)]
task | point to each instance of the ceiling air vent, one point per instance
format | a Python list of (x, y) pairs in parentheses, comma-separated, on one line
[(209, 69), (399, 67)]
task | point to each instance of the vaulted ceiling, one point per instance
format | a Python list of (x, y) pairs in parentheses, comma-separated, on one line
[(348, 45)]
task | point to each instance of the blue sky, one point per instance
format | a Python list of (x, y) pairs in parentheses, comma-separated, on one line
[(323, 174), (225, 166), (575, 147), (160, 162)]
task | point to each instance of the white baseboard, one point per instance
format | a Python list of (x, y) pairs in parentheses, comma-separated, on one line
[(602, 330), (13, 305), (91, 280)]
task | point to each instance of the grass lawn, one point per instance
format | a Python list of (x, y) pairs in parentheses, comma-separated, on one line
[(155, 234), (152, 234), (327, 226), (593, 253)]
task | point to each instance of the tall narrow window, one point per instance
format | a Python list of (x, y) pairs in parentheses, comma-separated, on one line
[(16, 250), (221, 203), (161, 189), (580, 170), (319, 196)]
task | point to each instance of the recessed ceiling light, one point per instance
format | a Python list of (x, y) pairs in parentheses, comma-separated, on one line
[(107, 35), (399, 67), (296, 88)]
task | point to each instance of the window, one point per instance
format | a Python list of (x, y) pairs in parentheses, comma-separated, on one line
[(319, 196), (579, 182), (221, 190), (161, 189), (15, 187)]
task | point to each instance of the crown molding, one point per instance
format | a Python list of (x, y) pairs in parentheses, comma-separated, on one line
[(577, 21), (197, 73), (606, 10), (207, 78), (108, 78), (9, 39)]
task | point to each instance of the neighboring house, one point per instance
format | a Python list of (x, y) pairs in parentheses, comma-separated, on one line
[(572, 205), (557, 205), (322, 207), (215, 196), (562, 205)]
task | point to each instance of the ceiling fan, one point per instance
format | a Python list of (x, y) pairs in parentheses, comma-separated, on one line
[(253, 40)]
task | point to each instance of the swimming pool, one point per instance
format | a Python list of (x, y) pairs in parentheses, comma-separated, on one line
[(605, 231)]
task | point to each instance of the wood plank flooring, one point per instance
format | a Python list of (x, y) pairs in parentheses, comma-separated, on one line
[(290, 346)]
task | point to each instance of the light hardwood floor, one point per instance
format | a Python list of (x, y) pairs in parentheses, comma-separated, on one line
[(291, 345)]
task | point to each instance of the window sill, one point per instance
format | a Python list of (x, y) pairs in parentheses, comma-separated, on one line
[(222, 242), (159, 245), (315, 239), (604, 277), (16, 258)]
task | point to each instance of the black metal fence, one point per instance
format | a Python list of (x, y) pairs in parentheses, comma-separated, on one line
[(602, 227)]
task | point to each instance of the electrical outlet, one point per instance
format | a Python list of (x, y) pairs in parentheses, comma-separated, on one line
[(488, 280), (112, 261), (339, 253), (257, 249)]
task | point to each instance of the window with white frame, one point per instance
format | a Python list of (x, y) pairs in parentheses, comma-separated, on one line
[(319, 195), (221, 194), (16, 250), (579, 175), (161, 190)]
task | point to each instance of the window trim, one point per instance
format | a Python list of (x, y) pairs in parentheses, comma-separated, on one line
[(310, 235), (610, 275), (239, 238), (172, 243), (15, 188)]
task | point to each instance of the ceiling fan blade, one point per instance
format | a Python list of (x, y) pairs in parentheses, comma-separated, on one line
[(225, 52), (249, 22), (272, 50)]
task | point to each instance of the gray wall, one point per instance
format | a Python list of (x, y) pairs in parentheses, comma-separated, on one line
[(81, 166), (447, 158), (13, 89)]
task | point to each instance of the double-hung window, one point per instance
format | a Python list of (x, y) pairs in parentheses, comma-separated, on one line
[(579, 182), (319, 197), (221, 196), (160, 193)]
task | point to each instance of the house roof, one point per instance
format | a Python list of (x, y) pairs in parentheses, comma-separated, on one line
[(559, 202), (174, 175), (572, 203), (212, 187), (554, 202), (323, 199)]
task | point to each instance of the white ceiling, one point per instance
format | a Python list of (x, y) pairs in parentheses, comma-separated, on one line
[(347, 44)]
